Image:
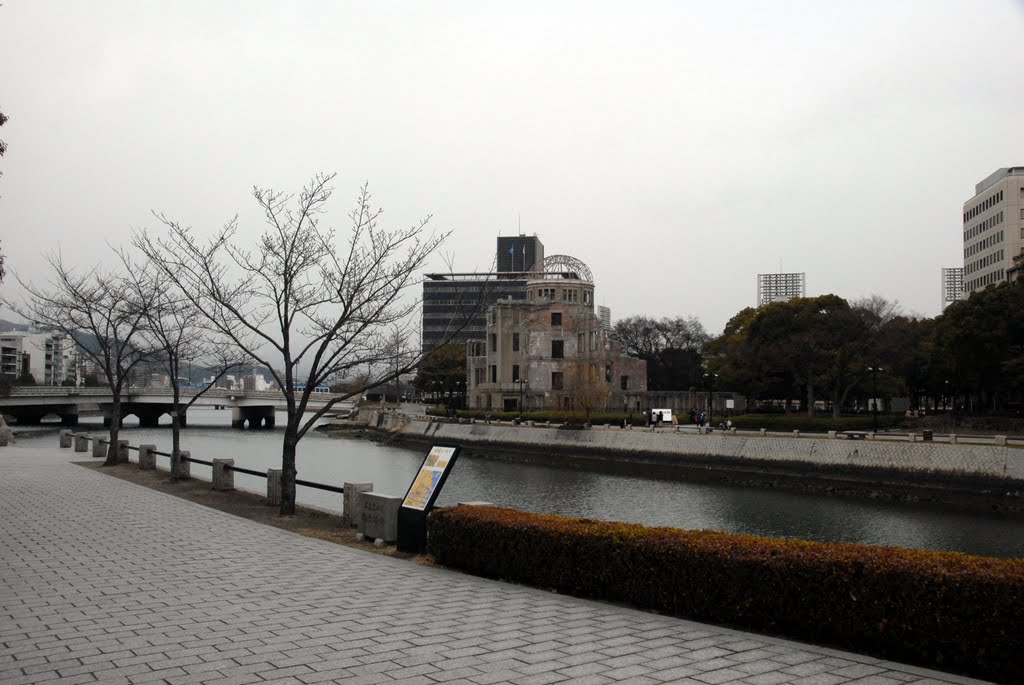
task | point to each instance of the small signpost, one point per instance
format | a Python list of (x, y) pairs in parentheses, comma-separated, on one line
[(419, 499)]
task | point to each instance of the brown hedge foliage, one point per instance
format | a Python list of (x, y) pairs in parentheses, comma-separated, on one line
[(940, 609)]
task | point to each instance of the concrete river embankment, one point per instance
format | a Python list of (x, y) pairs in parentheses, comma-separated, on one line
[(896, 467)]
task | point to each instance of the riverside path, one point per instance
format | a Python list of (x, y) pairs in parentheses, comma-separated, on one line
[(105, 581)]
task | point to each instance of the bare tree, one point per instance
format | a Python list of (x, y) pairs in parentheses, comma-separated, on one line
[(300, 304), (104, 312), (587, 387), (173, 331)]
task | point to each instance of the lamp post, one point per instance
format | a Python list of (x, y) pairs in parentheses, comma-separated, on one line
[(521, 382), (709, 378), (874, 400)]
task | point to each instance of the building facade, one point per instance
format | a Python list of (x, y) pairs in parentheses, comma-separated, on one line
[(550, 351), (780, 287), (993, 228), (952, 285), (455, 304), (518, 253), (48, 357)]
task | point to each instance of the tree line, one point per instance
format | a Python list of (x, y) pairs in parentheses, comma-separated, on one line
[(826, 348)]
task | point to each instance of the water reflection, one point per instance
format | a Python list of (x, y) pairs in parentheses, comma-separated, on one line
[(571, 492)]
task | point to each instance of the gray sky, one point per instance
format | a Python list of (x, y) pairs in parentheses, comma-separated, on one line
[(678, 148)]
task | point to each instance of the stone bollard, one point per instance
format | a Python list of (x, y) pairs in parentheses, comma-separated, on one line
[(223, 478), (122, 452), (831, 435), (65, 438), (999, 439), (352, 502), (912, 437), (764, 431), (273, 487), (147, 457), (81, 442), (732, 431), (871, 436), (3, 438), (379, 517), (185, 468), (796, 433), (952, 438), (99, 447)]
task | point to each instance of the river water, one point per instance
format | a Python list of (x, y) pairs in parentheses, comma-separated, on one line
[(334, 460)]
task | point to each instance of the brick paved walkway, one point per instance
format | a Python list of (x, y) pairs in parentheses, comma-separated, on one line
[(105, 581)]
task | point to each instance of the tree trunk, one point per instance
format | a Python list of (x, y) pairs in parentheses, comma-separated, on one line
[(115, 428), (175, 444), (288, 472), (810, 394)]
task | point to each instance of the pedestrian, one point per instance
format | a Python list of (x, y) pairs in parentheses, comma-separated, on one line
[(647, 417), (658, 422)]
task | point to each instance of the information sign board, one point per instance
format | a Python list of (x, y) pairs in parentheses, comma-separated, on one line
[(421, 495)]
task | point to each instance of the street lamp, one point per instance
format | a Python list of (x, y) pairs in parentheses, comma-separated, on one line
[(874, 400), (709, 378), (521, 382)]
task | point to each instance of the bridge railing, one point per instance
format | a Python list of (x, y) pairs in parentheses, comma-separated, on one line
[(70, 391)]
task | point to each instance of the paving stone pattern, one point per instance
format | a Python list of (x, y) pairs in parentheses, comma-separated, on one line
[(105, 581)]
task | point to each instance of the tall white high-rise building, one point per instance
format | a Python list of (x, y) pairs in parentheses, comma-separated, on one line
[(780, 287), (952, 285), (993, 228), (604, 315)]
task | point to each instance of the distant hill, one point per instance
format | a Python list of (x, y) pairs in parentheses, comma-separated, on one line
[(9, 326)]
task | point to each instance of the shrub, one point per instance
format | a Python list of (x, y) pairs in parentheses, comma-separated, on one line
[(940, 609)]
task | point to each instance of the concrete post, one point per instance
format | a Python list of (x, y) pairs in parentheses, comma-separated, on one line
[(351, 504), (764, 431), (273, 487), (871, 436), (147, 457), (3, 438), (999, 439), (912, 437), (223, 478), (122, 451), (185, 469), (99, 448), (65, 438), (831, 435), (732, 431), (796, 433), (952, 438), (81, 442)]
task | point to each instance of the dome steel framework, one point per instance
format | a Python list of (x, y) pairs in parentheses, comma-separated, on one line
[(561, 266)]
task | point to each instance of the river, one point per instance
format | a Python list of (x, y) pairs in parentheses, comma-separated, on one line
[(333, 460)]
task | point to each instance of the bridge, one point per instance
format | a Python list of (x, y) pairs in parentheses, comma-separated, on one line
[(28, 405)]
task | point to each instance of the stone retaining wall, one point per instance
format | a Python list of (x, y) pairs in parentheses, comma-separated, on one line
[(982, 461)]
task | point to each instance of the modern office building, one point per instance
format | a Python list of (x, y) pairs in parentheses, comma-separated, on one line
[(455, 304), (605, 316), (47, 356), (519, 253), (780, 287), (952, 285), (993, 228), (550, 350)]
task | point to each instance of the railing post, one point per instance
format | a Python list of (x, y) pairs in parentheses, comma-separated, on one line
[(147, 457), (351, 504), (99, 447), (65, 438), (273, 487), (81, 442), (223, 478), (184, 465)]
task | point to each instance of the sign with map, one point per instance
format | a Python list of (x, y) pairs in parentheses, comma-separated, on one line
[(428, 482)]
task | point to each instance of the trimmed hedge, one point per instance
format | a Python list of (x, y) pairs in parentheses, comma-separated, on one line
[(596, 418), (939, 609)]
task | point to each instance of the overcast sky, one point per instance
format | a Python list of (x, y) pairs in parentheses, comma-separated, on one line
[(677, 148)]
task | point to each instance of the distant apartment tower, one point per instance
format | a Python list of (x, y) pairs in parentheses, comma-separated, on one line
[(604, 315), (780, 287), (952, 285), (993, 228), (519, 253), (455, 304)]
